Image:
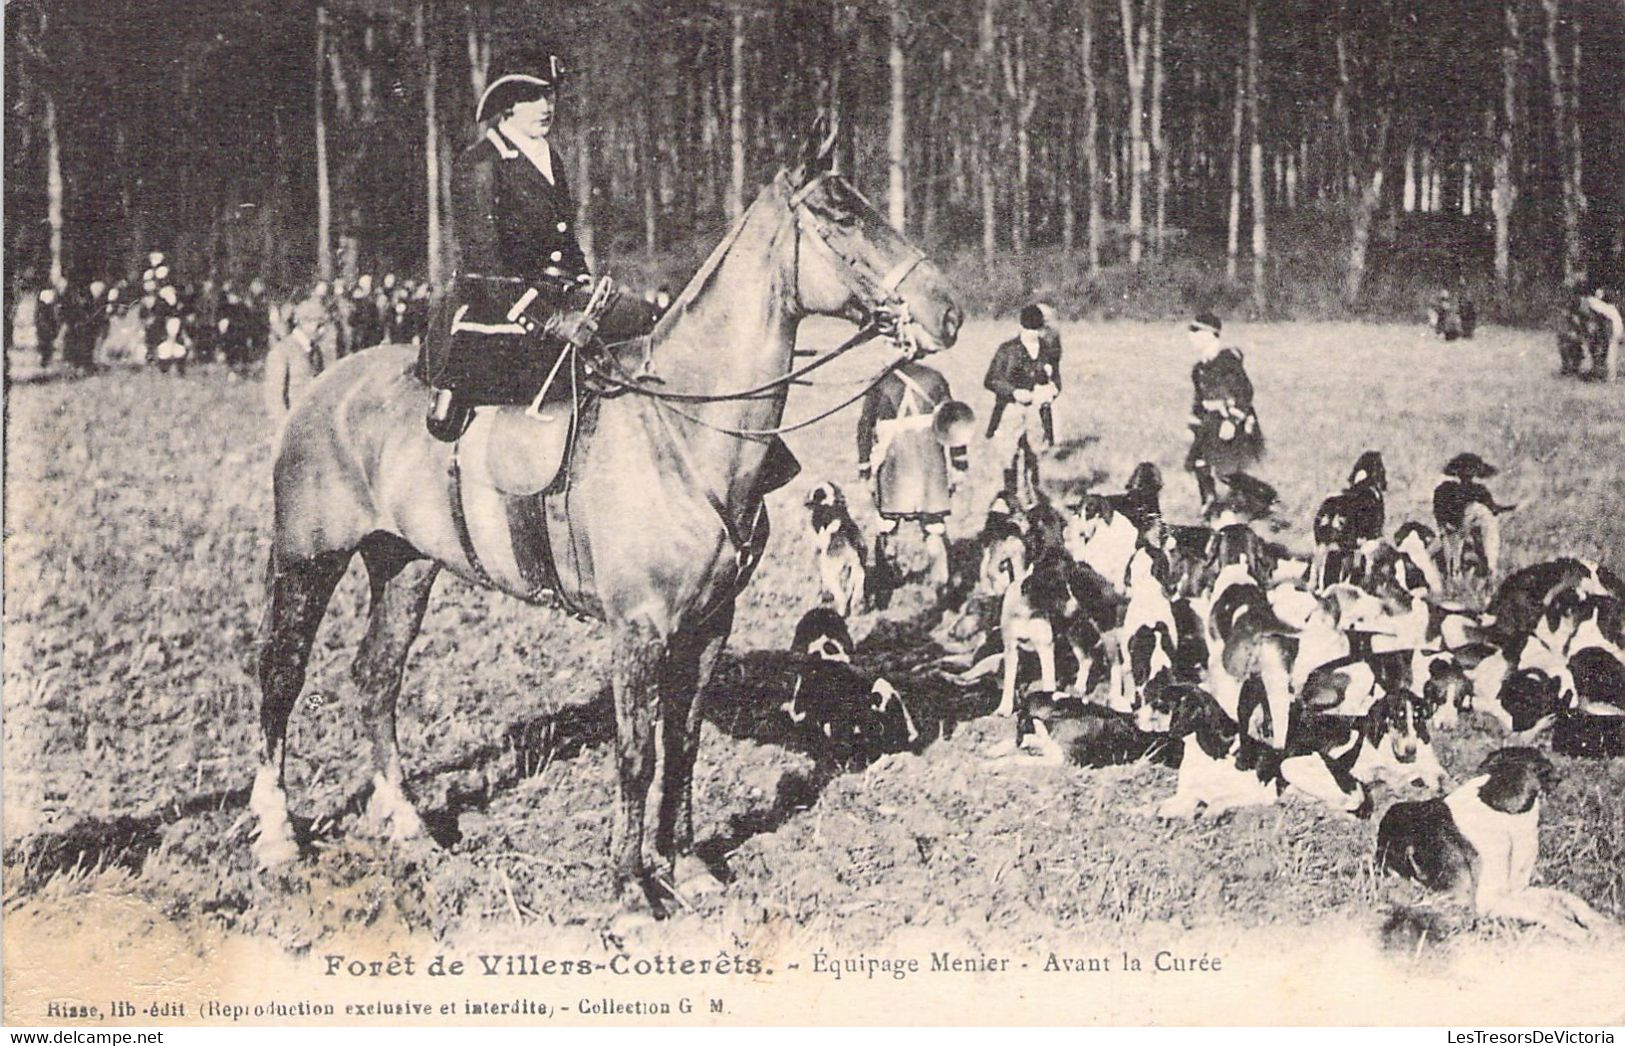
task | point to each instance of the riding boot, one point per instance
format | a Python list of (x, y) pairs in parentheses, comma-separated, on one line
[(883, 579), (1206, 488), (939, 574)]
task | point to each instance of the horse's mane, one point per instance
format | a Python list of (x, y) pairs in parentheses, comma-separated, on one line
[(701, 280)]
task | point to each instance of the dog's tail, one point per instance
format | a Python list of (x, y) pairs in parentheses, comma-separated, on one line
[(1410, 929), (985, 667)]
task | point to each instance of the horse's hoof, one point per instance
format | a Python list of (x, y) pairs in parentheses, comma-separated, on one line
[(390, 814), (636, 912), (275, 851), (694, 878)]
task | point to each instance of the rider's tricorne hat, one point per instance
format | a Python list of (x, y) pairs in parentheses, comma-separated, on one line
[(523, 78)]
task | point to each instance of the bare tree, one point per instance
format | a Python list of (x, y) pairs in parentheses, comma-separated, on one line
[(1256, 162), (1135, 54), (736, 116), (1504, 195), (1091, 129), (1567, 153), (1365, 164), (324, 193), (1233, 241), (897, 132)]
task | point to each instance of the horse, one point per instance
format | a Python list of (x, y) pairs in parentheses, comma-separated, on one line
[(658, 517)]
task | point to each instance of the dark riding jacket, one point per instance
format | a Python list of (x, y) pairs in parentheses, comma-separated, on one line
[(1012, 368), (509, 219), (518, 263)]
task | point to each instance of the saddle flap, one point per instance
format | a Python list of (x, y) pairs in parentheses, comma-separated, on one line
[(513, 450)]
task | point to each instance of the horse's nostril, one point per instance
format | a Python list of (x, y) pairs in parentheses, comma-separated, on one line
[(950, 323)]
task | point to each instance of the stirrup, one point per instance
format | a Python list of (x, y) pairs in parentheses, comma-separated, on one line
[(645, 374)]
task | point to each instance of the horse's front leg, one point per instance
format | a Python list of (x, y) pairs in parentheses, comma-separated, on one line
[(688, 668), (637, 663)]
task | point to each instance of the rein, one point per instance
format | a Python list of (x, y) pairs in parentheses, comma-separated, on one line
[(793, 377), (887, 316), (779, 430)]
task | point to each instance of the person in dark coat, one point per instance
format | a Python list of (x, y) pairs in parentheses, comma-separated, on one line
[(1025, 370), (366, 322), (910, 433), (1226, 436), (47, 323), (498, 335), (86, 314)]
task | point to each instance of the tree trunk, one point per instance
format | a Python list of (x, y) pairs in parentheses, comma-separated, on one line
[(1067, 163), (736, 118), (324, 199), (1575, 198), (1573, 262), (369, 98), (1159, 141), (1091, 131), (1363, 211), (53, 190), (585, 233), (431, 143), (897, 137), (1023, 102), (449, 247), (1139, 159), (985, 129), (1362, 184), (1233, 242), (645, 149), (1256, 162), (478, 41)]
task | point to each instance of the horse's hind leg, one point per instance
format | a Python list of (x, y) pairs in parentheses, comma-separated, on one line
[(401, 584), (299, 593), (687, 669)]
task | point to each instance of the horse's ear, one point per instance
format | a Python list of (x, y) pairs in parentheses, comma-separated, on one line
[(818, 152)]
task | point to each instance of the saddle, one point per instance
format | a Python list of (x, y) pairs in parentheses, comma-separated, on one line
[(487, 350), (515, 450)]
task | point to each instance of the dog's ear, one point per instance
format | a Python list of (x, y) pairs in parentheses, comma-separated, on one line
[(1517, 776)]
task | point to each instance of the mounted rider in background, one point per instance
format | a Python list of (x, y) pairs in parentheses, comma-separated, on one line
[(523, 300)]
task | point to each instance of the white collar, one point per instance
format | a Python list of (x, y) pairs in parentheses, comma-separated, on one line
[(539, 153)]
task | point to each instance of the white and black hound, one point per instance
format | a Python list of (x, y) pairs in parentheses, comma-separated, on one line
[(832, 703), (1349, 523), (838, 547), (1480, 843)]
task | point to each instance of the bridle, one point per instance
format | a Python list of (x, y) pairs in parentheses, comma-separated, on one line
[(885, 314), (884, 309)]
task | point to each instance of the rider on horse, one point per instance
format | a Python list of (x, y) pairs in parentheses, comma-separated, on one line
[(523, 297)]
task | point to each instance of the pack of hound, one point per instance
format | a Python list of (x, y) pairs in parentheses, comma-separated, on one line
[(1113, 635)]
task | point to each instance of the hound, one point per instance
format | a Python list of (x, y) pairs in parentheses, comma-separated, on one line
[(838, 547), (1480, 843)]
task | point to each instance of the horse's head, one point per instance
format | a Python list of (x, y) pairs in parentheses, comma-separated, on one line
[(851, 263)]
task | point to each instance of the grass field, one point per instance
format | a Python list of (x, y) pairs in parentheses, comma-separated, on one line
[(135, 539)]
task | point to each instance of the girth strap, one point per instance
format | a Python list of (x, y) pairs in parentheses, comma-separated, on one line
[(529, 535), (460, 523)]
